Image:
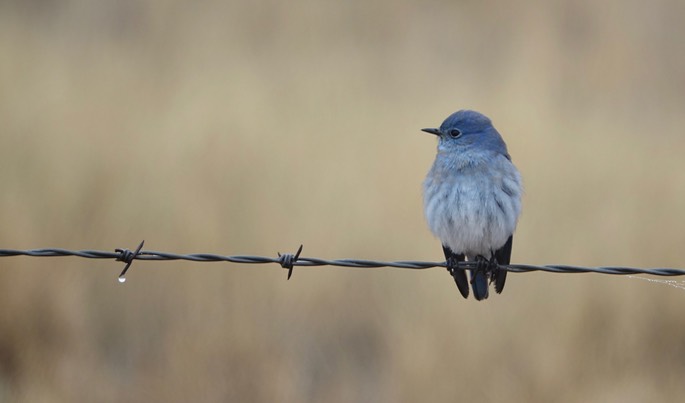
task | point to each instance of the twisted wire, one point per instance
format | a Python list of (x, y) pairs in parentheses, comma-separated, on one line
[(289, 261)]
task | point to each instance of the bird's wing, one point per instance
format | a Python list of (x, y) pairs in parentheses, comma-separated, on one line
[(458, 275), (503, 256)]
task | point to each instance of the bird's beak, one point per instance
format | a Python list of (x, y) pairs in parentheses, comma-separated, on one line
[(432, 131)]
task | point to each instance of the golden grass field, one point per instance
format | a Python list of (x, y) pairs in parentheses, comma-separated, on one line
[(252, 127)]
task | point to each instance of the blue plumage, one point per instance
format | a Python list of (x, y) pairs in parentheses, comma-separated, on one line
[(472, 199)]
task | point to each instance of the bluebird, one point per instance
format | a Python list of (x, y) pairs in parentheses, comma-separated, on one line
[(472, 200)]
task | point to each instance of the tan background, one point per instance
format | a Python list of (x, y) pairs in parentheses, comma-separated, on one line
[(251, 127)]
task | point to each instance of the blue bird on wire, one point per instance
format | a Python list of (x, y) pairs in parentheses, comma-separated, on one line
[(472, 200)]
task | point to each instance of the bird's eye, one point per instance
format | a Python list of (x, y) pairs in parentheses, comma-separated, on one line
[(454, 133)]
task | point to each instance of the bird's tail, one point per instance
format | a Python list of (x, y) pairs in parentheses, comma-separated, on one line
[(479, 284)]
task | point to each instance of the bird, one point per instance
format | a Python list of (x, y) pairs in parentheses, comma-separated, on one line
[(472, 200)]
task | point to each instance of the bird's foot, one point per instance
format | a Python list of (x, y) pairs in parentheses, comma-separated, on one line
[(488, 266), (452, 264), (493, 268), (457, 273)]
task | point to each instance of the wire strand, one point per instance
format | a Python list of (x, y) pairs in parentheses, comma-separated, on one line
[(289, 261)]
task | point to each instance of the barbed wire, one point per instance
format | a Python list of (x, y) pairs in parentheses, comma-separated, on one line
[(289, 261)]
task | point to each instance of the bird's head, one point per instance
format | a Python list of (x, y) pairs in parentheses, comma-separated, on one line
[(468, 131)]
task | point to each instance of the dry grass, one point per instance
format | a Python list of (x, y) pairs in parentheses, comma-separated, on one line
[(251, 127)]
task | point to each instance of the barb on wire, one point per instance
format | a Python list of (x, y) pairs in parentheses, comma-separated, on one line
[(127, 256), (289, 261)]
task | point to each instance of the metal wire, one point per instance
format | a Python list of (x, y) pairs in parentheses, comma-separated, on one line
[(289, 261)]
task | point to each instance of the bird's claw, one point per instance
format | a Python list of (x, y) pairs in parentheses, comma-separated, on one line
[(489, 266), (493, 268), (452, 264)]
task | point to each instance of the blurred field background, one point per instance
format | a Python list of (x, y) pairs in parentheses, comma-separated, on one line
[(251, 127)]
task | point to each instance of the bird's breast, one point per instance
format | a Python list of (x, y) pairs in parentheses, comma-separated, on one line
[(472, 210)]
